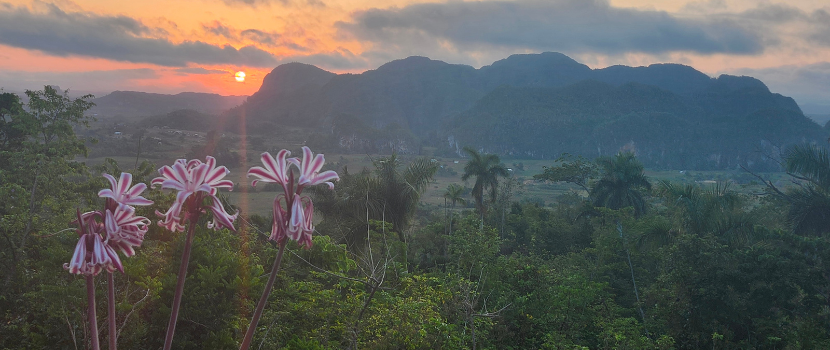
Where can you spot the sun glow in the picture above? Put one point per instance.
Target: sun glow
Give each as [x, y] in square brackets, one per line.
[240, 76]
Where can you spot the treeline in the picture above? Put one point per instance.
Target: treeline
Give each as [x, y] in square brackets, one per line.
[623, 263]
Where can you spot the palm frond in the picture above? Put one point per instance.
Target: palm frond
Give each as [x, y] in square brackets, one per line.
[809, 162]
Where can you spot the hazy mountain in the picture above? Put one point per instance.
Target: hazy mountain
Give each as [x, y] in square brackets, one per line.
[536, 105]
[132, 103]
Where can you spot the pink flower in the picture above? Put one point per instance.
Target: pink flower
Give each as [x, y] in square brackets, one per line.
[221, 218]
[124, 229]
[123, 193]
[276, 169]
[190, 177]
[296, 221]
[91, 255]
[310, 171]
[307, 225]
[278, 233]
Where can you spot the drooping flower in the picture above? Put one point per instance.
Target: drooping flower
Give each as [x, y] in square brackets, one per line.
[307, 225]
[278, 233]
[191, 177]
[91, 255]
[295, 221]
[121, 191]
[221, 218]
[124, 229]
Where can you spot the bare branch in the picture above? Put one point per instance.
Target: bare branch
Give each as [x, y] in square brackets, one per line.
[127, 317]
[768, 184]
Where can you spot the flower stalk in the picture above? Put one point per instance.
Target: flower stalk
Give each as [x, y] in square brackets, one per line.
[295, 220]
[194, 181]
[113, 336]
[121, 230]
[249, 334]
[177, 297]
[93, 320]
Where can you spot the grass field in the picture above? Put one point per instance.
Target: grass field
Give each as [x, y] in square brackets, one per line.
[450, 170]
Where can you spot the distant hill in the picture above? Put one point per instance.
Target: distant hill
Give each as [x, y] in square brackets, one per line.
[537, 106]
[133, 104]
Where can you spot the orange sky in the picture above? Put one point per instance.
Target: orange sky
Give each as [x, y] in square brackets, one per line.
[336, 36]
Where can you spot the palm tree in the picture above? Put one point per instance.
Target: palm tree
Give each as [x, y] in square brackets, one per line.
[399, 191]
[718, 210]
[620, 184]
[810, 200]
[454, 194]
[388, 193]
[486, 168]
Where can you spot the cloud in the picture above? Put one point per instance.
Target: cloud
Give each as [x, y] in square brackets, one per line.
[252, 36]
[341, 59]
[257, 3]
[118, 38]
[198, 70]
[573, 26]
[808, 84]
[97, 80]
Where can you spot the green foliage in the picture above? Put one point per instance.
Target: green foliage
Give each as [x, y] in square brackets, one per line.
[486, 169]
[576, 170]
[810, 199]
[387, 194]
[713, 268]
[620, 184]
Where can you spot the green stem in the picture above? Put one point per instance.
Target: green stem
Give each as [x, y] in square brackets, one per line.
[93, 320]
[177, 297]
[249, 335]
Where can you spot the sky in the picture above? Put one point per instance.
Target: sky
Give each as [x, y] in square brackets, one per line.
[99, 46]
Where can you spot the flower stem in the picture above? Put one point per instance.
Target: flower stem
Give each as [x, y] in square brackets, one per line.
[177, 297]
[249, 335]
[93, 320]
[111, 309]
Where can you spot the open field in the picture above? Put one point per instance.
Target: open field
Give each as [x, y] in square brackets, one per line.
[162, 146]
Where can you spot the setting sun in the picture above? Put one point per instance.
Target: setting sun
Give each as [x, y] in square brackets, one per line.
[240, 76]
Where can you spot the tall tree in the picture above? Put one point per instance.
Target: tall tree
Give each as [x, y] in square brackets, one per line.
[621, 183]
[37, 147]
[576, 170]
[486, 169]
[454, 194]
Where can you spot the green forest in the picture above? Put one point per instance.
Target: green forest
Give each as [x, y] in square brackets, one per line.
[621, 262]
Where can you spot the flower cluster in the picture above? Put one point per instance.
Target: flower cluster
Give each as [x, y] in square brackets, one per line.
[194, 180]
[293, 220]
[117, 223]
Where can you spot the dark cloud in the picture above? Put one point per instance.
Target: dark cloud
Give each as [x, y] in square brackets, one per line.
[259, 37]
[337, 60]
[117, 38]
[558, 25]
[198, 70]
[98, 80]
[821, 28]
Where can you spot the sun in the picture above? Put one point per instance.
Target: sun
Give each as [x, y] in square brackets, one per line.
[240, 76]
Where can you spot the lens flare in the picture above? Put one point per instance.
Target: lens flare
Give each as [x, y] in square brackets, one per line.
[240, 76]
